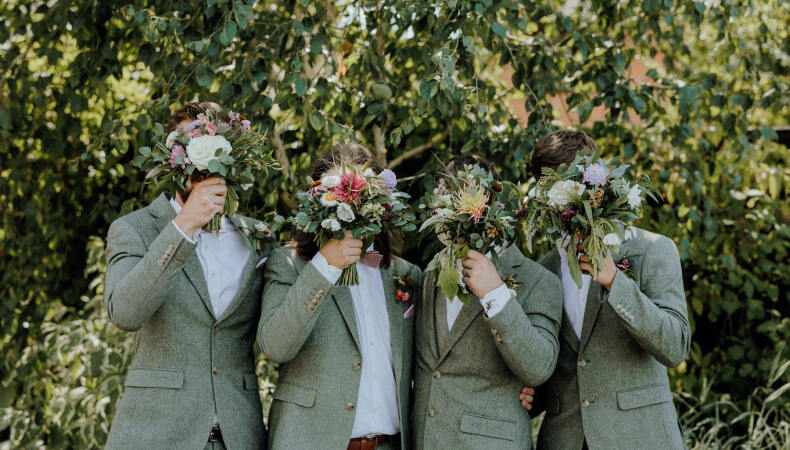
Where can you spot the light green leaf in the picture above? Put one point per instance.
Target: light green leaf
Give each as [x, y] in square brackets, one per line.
[448, 281]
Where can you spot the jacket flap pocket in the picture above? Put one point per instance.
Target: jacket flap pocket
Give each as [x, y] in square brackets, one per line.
[293, 393]
[488, 426]
[155, 378]
[250, 381]
[643, 396]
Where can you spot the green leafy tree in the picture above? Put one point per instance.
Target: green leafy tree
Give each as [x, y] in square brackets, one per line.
[83, 82]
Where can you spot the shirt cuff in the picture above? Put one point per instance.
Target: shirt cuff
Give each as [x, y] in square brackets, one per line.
[495, 300]
[330, 272]
[191, 241]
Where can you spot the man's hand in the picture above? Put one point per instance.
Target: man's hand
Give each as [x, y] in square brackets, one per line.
[480, 275]
[343, 253]
[206, 199]
[527, 396]
[605, 274]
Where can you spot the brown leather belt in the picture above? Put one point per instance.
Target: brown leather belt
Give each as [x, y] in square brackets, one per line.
[368, 443]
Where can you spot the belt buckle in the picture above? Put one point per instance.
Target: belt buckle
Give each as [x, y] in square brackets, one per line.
[371, 437]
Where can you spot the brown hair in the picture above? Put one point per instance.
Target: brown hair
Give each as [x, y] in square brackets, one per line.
[191, 111]
[459, 162]
[353, 154]
[558, 148]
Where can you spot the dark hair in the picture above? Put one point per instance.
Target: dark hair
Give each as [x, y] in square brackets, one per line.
[191, 111]
[558, 148]
[459, 162]
[353, 154]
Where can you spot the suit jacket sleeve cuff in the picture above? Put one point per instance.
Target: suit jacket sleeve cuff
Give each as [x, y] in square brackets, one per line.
[171, 247]
[618, 297]
[189, 239]
[495, 300]
[328, 271]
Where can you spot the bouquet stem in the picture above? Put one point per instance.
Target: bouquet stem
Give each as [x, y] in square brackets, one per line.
[349, 277]
[214, 224]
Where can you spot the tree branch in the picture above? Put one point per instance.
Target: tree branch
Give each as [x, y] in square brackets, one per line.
[420, 148]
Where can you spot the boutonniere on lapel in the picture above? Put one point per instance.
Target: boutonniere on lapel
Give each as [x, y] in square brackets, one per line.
[404, 291]
[626, 266]
[511, 283]
[261, 235]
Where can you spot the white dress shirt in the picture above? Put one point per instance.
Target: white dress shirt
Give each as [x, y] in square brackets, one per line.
[493, 302]
[377, 400]
[223, 257]
[574, 300]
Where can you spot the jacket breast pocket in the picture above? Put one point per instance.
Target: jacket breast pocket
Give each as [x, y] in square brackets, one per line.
[293, 393]
[643, 396]
[155, 378]
[488, 426]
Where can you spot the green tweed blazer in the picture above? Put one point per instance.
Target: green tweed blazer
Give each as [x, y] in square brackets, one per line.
[467, 396]
[308, 326]
[188, 365]
[611, 387]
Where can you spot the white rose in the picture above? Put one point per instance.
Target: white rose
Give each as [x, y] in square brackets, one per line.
[330, 224]
[635, 197]
[202, 149]
[345, 213]
[330, 181]
[611, 240]
[564, 192]
[171, 139]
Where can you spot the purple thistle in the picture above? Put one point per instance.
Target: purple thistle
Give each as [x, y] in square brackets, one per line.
[595, 175]
[389, 178]
[192, 125]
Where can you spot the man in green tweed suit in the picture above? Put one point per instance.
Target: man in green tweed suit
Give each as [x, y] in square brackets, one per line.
[471, 360]
[193, 300]
[610, 389]
[345, 352]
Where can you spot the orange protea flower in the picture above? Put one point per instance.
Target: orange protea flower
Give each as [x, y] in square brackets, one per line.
[315, 183]
[472, 201]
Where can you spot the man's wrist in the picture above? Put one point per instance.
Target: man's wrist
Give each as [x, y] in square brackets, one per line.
[185, 226]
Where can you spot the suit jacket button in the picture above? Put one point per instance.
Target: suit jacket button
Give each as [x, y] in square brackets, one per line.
[356, 366]
[310, 307]
[350, 406]
[431, 413]
[215, 370]
[437, 374]
[213, 330]
[582, 363]
[585, 404]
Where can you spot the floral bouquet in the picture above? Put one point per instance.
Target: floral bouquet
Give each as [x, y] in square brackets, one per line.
[354, 199]
[587, 200]
[467, 210]
[216, 144]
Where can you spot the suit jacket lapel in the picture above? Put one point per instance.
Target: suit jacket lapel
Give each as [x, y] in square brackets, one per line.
[342, 296]
[591, 310]
[163, 213]
[429, 301]
[395, 311]
[552, 262]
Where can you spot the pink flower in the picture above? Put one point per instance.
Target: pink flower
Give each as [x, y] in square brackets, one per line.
[211, 128]
[405, 298]
[625, 264]
[196, 133]
[245, 126]
[178, 150]
[350, 186]
[233, 116]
